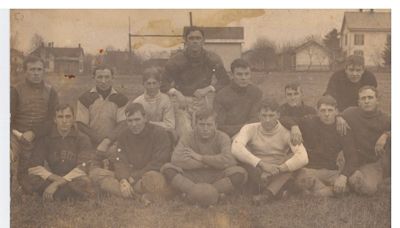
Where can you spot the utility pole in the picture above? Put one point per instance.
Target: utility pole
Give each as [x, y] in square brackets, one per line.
[129, 37]
[190, 18]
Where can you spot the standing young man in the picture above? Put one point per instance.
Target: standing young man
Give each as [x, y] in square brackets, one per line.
[190, 78]
[371, 129]
[344, 84]
[266, 152]
[67, 152]
[236, 104]
[138, 154]
[32, 105]
[204, 156]
[100, 111]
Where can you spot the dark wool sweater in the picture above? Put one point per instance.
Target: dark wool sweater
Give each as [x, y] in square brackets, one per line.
[62, 153]
[236, 106]
[142, 152]
[290, 116]
[367, 128]
[346, 92]
[188, 74]
[323, 144]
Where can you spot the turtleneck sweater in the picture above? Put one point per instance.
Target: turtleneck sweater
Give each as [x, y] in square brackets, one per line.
[158, 109]
[254, 144]
[367, 127]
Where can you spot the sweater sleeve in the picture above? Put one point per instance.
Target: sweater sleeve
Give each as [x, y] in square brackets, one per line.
[220, 74]
[36, 164]
[168, 116]
[239, 144]
[121, 164]
[180, 159]
[332, 87]
[225, 158]
[171, 70]
[299, 158]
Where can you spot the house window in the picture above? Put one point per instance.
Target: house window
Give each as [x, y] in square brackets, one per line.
[359, 39]
[358, 52]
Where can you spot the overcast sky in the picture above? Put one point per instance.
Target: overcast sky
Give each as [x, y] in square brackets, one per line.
[99, 29]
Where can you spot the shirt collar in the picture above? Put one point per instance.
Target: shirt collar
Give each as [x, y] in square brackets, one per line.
[55, 134]
[94, 90]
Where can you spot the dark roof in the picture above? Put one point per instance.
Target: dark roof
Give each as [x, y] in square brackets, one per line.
[235, 33]
[60, 51]
[307, 44]
[374, 21]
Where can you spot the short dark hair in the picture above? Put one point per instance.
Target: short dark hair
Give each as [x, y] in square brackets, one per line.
[151, 72]
[269, 104]
[102, 67]
[188, 30]
[373, 88]
[132, 108]
[239, 63]
[354, 60]
[292, 85]
[327, 100]
[204, 114]
[63, 106]
[32, 59]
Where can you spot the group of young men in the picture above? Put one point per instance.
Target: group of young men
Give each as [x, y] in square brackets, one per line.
[199, 131]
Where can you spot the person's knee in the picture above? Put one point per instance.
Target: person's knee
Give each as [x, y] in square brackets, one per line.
[237, 175]
[305, 180]
[31, 183]
[82, 185]
[169, 171]
[97, 174]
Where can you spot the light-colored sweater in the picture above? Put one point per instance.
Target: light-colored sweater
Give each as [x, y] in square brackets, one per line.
[254, 143]
[158, 109]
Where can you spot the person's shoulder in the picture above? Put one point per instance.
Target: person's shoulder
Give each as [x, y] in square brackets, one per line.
[338, 75]
[139, 99]
[119, 99]
[88, 98]
[309, 109]
[177, 59]
[284, 107]
[350, 111]
[251, 126]
[223, 91]
[82, 136]
[164, 98]
[222, 135]
[255, 90]
[369, 76]
[213, 57]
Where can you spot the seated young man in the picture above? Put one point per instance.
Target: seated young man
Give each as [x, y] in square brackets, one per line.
[204, 156]
[67, 153]
[322, 176]
[236, 104]
[158, 107]
[266, 152]
[294, 110]
[138, 154]
[344, 84]
[371, 130]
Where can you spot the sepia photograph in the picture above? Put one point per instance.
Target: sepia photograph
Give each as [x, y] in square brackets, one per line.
[200, 118]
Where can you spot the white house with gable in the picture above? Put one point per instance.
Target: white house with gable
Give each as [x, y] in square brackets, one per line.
[365, 33]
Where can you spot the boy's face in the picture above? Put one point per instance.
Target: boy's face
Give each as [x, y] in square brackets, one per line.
[64, 120]
[367, 100]
[152, 86]
[104, 79]
[327, 114]
[35, 72]
[354, 72]
[206, 128]
[241, 76]
[294, 97]
[136, 122]
[194, 41]
[269, 119]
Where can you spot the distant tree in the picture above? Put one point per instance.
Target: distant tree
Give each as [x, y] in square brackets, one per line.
[387, 52]
[36, 41]
[264, 52]
[332, 43]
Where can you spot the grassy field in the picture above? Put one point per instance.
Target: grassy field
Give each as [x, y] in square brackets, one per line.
[234, 211]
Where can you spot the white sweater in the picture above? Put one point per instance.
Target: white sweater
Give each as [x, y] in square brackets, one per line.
[253, 144]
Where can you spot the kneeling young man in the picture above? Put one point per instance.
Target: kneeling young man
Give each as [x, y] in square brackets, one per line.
[322, 176]
[204, 156]
[138, 154]
[371, 129]
[265, 149]
[67, 152]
